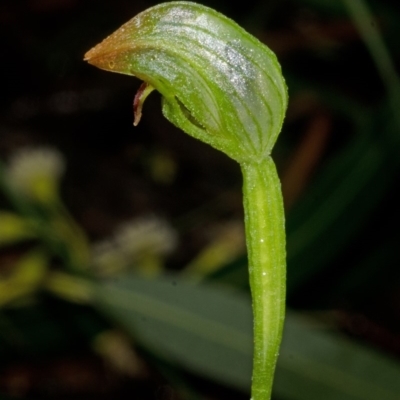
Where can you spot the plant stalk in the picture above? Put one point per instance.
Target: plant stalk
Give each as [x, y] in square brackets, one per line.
[265, 236]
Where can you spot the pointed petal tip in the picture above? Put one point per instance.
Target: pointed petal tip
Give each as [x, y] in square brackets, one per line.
[98, 57]
[89, 55]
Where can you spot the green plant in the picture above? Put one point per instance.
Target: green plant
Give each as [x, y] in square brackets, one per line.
[222, 86]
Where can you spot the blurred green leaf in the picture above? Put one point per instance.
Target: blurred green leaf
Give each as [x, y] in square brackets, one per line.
[14, 229]
[26, 277]
[315, 364]
[363, 20]
[207, 329]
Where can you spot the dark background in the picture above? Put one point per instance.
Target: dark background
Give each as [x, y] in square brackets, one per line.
[337, 157]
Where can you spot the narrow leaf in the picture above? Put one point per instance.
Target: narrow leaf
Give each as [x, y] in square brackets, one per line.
[208, 330]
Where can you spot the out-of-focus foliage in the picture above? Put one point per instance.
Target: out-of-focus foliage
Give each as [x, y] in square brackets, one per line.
[208, 330]
[338, 159]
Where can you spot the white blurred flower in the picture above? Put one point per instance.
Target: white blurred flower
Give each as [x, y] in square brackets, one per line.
[146, 235]
[36, 172]
[142, 243]
[107, 258]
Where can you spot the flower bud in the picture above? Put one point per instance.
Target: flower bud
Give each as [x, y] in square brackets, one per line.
[218, 83]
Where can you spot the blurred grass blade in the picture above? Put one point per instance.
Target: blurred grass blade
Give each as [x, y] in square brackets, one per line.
[26, 277]
[363, 19]
[14, 229]
[207, 329]
[343, 194]
[315, 365]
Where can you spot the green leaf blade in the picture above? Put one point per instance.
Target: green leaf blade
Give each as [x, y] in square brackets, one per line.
[208, 329]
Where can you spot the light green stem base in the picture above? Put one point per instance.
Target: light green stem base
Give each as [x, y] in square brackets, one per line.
[265, 235]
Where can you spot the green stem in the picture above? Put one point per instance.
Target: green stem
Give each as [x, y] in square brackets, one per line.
[265, 234]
